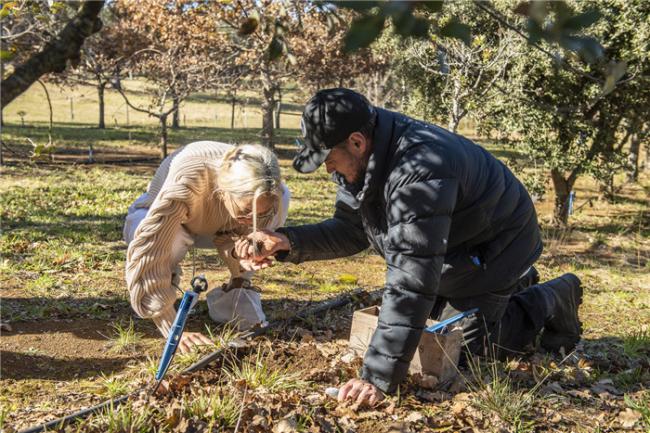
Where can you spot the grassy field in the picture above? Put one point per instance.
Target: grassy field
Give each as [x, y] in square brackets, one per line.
[73, 340]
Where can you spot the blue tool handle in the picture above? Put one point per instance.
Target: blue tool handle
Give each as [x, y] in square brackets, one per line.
[175, 333]
[453, 319]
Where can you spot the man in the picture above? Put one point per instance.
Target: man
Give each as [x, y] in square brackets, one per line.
[456, 228]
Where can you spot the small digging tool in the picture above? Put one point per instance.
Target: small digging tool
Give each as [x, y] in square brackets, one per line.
[199, 284]
[440, 327]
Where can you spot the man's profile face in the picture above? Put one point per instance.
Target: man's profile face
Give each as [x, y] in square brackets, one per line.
[349, 160]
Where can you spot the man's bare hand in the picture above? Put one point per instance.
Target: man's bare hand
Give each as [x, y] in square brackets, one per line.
[365, 393]
[260, 246]
[190, 340]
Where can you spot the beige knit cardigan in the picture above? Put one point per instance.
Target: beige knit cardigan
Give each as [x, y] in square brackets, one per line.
[181, 194]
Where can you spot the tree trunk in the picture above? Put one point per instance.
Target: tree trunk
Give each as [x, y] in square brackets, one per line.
[163, 136]
[267, 117]
[647, 156]
[454, 112]
[268, 103]
[562, 188]
[101, 87]
[56, 53]
[278, 109]
[233, 102]
[176, 113]
[633, 158]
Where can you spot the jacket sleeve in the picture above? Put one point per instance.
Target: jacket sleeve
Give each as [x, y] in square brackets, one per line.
[339, 236]
[419, 218]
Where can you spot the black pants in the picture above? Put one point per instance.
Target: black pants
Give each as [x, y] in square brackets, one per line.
[508, 320]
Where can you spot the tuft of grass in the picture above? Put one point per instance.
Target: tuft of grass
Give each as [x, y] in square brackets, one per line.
[226, 335]
[4, 413]
[184, 360]
[114, 386]
[258, 373]
[631, 378]
[125, 339]
[641, 405]
[495, 393]
[150, 366]
[124, 419]
[216, 409]
[637, 342]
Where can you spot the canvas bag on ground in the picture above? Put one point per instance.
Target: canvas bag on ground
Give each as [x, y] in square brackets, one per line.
[242, 307]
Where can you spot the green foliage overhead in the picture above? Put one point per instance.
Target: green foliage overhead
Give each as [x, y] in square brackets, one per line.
[554, 22]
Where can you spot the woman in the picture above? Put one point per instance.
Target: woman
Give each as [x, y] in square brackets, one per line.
[206, 194]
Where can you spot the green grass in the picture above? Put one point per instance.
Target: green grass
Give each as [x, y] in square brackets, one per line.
[215, 407]
[146, 369]
[198, 110]
[637, 342]
[641, 404]
[4, 412]
[257, 372]
[124, 419]
[114, 386]
[495, 393]
[125, 338]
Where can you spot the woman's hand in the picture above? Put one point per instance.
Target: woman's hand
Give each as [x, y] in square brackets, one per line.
[267, 242]
[189, 341]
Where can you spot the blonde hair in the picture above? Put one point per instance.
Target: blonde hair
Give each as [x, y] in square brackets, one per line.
[249, 170]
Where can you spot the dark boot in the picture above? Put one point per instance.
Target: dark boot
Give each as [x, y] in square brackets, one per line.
[562, 328]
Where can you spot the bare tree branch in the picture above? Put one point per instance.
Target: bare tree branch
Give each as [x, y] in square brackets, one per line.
[55, 55]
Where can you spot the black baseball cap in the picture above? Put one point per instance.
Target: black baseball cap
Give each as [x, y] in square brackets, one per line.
[330, 116]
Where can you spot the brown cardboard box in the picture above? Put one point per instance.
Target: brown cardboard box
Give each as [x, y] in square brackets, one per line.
[437, 355]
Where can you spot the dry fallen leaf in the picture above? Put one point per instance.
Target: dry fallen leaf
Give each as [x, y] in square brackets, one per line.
[173, 414]
[286, 425]
[555, 418]
[260, 421]
[579, 393]
[414, 417]
[163, 388]
[398, 427]
[460, 404]
[390, 409]
[628, 417]
[179, 382]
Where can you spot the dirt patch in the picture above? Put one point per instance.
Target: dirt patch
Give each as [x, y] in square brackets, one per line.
[63, 350]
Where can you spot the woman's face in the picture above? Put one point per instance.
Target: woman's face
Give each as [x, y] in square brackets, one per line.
[242, 209]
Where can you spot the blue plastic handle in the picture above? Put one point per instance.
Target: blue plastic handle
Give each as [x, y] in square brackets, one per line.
[175, 333]
[453, 319]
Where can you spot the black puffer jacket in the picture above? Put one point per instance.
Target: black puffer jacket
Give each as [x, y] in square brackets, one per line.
[433, 204]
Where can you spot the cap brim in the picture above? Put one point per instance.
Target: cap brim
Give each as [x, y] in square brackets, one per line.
[308, 160]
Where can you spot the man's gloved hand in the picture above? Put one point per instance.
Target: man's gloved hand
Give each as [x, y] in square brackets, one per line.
[256, 250]
[365, 393]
